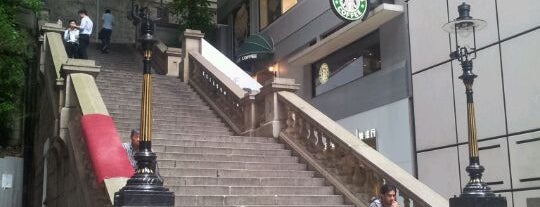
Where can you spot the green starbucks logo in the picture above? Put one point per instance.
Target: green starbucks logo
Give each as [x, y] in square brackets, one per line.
[350, 9]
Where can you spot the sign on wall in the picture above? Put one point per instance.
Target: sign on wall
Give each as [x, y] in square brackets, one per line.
[350, 10]
[370, 133]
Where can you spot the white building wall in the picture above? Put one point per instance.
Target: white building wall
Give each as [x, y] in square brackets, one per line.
[506, 95]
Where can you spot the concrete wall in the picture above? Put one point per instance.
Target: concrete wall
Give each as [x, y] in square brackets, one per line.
[392, 124]
[506, 97]
[11, 167]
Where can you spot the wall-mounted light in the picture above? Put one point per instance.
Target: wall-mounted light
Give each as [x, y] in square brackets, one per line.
[274, 69]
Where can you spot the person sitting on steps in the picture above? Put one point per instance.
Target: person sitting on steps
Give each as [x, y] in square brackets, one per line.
[387, 197]
[132, 147]
[71, 37]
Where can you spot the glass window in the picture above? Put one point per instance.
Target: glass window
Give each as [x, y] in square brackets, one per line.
[241, 25]
[354, 61]
[270, 10]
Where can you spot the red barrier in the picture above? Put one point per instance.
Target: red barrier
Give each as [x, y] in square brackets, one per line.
[108, 157]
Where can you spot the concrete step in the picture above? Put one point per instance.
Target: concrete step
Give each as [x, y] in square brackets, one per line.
[162, 123]
[224, 145]
[158, 112]
[179, 116]
[221, 181]
[161, 105]
[136, 93]
[188, 120]
[195, 137]
[195, 131]
[235, 200]
[218, 157]
[251, 190]
[136, 81]
[180, 127]
[159, 147]
[233, 173]
[231, 165]
[282, 206]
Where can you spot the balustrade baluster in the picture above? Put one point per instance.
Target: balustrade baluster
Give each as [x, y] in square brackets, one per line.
[290, 122]
[406, 199]
[321, 146]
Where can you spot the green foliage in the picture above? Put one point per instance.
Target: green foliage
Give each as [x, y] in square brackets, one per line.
[15, 53]
[193, 14]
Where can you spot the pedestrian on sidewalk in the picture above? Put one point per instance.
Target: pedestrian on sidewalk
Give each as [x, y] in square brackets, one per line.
[84, 33]
[71, 37]
[106, 31]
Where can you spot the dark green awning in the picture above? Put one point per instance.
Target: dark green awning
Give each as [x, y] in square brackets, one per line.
[255, 47]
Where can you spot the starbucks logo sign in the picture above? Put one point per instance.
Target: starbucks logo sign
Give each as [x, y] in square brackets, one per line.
[350, 9]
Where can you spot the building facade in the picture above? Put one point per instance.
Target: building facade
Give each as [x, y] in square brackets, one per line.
[355, 72]
[390, 76]
[506, 95]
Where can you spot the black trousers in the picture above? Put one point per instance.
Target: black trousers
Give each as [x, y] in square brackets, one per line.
[84, 41]
[72, 49]
[105, 39]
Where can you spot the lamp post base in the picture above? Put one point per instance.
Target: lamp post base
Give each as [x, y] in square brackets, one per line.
[143, 198]
[490, 201]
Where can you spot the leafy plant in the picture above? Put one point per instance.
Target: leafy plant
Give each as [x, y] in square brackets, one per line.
[15, 52]
[193, 14]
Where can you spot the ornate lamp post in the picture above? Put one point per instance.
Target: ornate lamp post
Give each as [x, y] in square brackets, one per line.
[145, 188]
[476, 193]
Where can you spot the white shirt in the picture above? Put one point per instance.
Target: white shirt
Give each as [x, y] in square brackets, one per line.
[86, 25]
[130, 153]
[376, 203]
[71, 35]
[107, 20]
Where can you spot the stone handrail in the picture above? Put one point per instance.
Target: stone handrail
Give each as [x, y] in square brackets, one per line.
[222, 94]
[356, 169]
[80, 175]
[166, 60]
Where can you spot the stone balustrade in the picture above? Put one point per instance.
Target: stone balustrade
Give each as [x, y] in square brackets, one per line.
[355, 169]
[220, 92]
[68, 163]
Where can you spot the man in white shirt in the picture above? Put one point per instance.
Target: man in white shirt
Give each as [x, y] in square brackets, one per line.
[84, 33]
[106, 31]
[71, 37]
[132, 147]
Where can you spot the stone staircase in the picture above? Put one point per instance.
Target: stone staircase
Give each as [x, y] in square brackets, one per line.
[198, 155]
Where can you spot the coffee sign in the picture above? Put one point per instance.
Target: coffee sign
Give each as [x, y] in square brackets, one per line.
[349, 9]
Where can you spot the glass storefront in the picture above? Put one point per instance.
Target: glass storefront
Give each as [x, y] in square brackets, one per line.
[352, 62]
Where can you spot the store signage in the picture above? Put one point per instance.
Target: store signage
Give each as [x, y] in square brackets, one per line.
[351, 10]
[247, 57]
[367, 134]
[324, 73]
